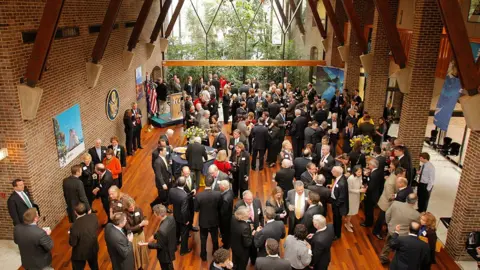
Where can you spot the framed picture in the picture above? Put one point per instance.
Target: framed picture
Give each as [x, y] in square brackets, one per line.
[139, 82]
[474, 11]
[67, 127]
[112, 104]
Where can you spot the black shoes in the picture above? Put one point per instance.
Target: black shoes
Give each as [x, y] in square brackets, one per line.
[365, 225]
[194, 229]
[185, 253]
[378, 236]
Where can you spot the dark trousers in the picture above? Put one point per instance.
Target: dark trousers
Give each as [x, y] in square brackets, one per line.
[129, 142]
[369, 207]
[297, 145]
[182, 234]
[166, 266]
[89, 194]
[106, 207]
[225, 231]
[292, 222]
[239, 263]
[197, 175]
[80, 264]
[235, 185]
[204, 236]
[120, 180]
[423, 197]
[257, 152]
[377, 229]
[162, 197]
[137, 140]
[253, 254]
[226, 114]
[337, 220]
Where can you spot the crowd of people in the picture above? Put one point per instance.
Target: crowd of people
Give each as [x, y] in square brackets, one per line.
[313, 174]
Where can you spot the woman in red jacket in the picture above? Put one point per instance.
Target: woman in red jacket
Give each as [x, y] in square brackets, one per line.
[222, 162]
[113, 165]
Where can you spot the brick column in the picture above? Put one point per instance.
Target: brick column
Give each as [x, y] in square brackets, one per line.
[427, 28]
[377, 80]
[466, 210]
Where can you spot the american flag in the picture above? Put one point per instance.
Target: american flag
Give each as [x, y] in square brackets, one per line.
[152, 96]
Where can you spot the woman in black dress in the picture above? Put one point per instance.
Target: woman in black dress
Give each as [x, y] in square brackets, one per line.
[276, 201]
[275, 144]
[380, 131]
[128, 122]
[240, 169]
[226, 104]
[88, 170]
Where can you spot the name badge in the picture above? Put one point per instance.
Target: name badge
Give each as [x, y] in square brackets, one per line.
[243, 158]
[336, 185]
[259, 211]
[119, 204]
[104, 151]
[137, 214]
[101, 185]
[94, 176]
[84, 168]
[218, 143]
[286, 156]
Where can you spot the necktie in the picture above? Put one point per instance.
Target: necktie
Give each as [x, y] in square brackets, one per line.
[189, 183]
[420, 176]
[252, 214]
[236, 141]
[298, 210]
[27, 201]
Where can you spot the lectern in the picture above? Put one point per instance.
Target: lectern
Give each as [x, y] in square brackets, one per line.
[176, 106]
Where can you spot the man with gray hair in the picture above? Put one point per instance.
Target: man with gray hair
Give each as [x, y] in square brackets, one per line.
[195, 155]
[284, 177]
[318, 186]
[339, 199]
[181, 212]
[167, 136]
[297, 132]
[297, 205]
[327, 161]
[374, 191]
[398, 217]
[321, 242]
[226, 211]
[217, 176]
[98, 152]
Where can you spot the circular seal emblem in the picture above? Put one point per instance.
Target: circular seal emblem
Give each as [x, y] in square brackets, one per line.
[112, 104]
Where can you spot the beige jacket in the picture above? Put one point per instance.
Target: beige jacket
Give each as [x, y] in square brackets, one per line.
[389, 189]
[400, 213]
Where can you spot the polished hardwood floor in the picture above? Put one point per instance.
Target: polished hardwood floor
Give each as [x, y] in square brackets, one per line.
[357, 250]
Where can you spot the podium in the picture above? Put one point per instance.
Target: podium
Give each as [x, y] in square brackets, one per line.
[176, 106]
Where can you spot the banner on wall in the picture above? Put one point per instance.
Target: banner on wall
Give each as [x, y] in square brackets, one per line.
[328, 80]
[450, 92]
[67, 127]
[474, 11]
[139, 82]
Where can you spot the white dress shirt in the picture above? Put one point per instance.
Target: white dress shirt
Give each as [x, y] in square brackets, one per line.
[334, 186]
[427, 175]
[302, 202]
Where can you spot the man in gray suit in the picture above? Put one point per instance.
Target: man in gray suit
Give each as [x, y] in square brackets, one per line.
[297, 205]
[273, 260]
[401, 214]
[74, 192]
[217, 176]
[119, 246]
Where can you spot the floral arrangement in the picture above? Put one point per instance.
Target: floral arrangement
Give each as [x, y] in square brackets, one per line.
[193, 132]
[367, 143]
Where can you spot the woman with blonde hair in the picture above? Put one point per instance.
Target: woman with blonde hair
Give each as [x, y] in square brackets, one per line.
[241, 233]
[287, 150]
[87, 177]
[276, 201]
[135, 223]
[117, 200]
[221, 161]
[428, 233]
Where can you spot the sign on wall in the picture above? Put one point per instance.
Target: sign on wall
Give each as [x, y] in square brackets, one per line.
[68, 135]
[112, 104]
[328, 80]
[474, 11]
[139, 82]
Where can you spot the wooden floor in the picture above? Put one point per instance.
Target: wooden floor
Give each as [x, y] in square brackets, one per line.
[357, 250]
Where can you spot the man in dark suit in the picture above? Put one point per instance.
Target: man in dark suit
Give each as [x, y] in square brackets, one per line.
[35, 244]
[375, 188]
[74, 192]
[119, 246]
[180, 201]
[254, 207]
[321, 114]
[310, 131]
[411, 252]
[121, 154]
[319, 187]
[156, 152]
[83, 239]
[334, 127]
[282, 122]
[321, 243]
[274, 108]
[260, 138]
[307, 176]
[220, 141]
[236, 139]
[382, 160]
[195, 155]
[300, 164]
[336, 101]
[216, 175]
[339, 199]
[327, 162]
[98, 152]
[221, 260]
[104, 180]
[273, 229]
[190, 187]
[226, 211]
[163, 177]
[405, 163]
[272, 260]
[19, 201]
[216, 84]
[166, 240]
[189, 86]
[285, 176]
[314, 208]
[348, 134]
[208, 203]
[297, 132]
[297, 204]
[403, 189]
[166, 137]
[137, 130]
[241, 237]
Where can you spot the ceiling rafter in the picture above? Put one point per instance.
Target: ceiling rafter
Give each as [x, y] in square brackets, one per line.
[106, 30]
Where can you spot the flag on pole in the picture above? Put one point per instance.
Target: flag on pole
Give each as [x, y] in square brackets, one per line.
[152, 94]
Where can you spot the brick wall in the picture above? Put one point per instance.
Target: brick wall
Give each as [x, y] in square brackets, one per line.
[377, 80]
[466, 210]
[333, 56]
[427, 28]
[31, 144]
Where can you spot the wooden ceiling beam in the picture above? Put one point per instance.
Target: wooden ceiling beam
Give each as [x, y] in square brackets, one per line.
[173, 20]
[453, 21]
[355, 24]
[160, 21]
[316, 17]
[139, 24]
[298, 16]
[391, 31]
[334, 21]
[282, 14]
[105, 31]
[43, 40]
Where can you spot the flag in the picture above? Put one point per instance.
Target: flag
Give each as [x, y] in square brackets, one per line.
[152, 94]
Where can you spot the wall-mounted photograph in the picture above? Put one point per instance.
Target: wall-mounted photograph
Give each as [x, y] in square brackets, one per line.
[68, 135]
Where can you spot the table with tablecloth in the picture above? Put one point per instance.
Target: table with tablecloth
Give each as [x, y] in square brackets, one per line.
[178, 163]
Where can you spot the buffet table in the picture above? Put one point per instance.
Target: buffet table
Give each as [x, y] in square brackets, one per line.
[178, 161]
